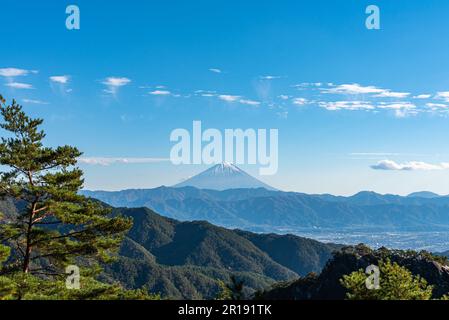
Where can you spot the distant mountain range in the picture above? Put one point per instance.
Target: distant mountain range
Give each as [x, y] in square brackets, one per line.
[222, 177]
[276, 211]
[424, 194]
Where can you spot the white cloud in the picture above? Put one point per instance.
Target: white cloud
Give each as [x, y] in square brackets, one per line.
[422, 96]
[356, 89]
[270, 77]
[397, 105]
[19, 85]
[205, 93]
[215, 70]
[105, 161]
[401, 109]
[113, 83]
[14, 72]
[436, 105]
[32, 101]
[160, 93]
[408, 166]
[444, 95]
[60, 79]
[310, 84]
[228, 98]
[299, 101]
[232, 98]
[116, 82]
[249, 102]
[284, 97]
[346, 105]
[392, 94]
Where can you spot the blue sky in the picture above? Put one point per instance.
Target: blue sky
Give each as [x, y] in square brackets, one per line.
[356, 109]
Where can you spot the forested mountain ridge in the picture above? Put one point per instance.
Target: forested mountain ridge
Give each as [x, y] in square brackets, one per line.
[197, 254]
[328, 284]
[185, 260]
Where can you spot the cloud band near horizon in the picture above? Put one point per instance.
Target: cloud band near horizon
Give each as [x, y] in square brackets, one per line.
[390, 165]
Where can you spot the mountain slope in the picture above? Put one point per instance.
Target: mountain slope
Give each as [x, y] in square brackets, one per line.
[136, 267]
[327, 286]
[185, 259]
[222, 177]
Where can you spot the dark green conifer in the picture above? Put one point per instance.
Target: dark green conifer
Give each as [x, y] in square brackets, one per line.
[56, 226]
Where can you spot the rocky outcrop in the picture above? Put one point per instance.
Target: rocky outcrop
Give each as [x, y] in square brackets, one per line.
[326, 286]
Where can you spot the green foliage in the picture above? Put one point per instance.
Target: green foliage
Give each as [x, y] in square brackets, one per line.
[185, 260]
[396, 283]
[23, 286]
[57, 225]
[443, 260]
[52, 226]
[232, 291]
[224, 292]
[4, 253]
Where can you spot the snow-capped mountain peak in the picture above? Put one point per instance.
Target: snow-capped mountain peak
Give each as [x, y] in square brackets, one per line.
[224, 176]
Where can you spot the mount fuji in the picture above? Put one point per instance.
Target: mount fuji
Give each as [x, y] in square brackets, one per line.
[224, 176]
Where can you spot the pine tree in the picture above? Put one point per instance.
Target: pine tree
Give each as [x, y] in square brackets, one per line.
[56, 226]
[396, 283]
[232, 291]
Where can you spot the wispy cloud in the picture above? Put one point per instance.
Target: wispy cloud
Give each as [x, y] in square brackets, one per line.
[269, 77]
[392, 94]
[357, 89]
[436, 105]
[60, 79]
[249, 102]
[33, 101]
[353, 89]
[114, 83]
[228, 98]
[444, 95]
[346, 105]
[408, 166]
[401, 109]
[310, 84]
[422, 96]
[15, 72]
[19, 85]
[106, 161]
[160, 93]
[215, 70]
[300, 101]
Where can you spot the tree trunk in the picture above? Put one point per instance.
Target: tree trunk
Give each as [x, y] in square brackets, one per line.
[26, 261]
[27, 257]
